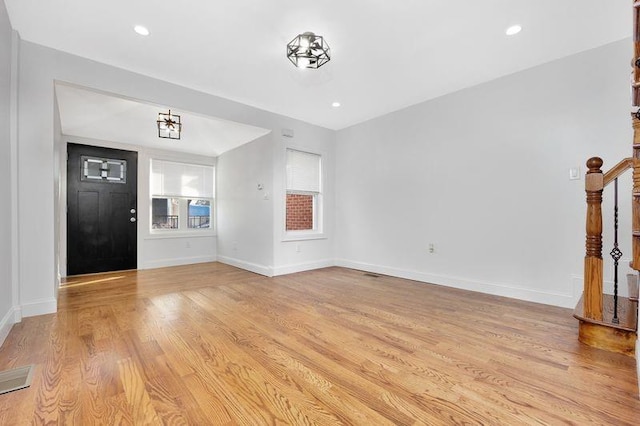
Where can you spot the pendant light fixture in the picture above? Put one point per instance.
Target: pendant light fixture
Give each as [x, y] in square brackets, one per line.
[308, 50]
[169, 126]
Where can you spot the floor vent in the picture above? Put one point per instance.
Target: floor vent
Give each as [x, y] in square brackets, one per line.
[369, 274]
[12, 380]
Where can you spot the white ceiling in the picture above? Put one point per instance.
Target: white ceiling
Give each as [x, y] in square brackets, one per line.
[387, 54]
[101, 116]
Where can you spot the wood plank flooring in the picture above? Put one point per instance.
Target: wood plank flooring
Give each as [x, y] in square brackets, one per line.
[212, 344]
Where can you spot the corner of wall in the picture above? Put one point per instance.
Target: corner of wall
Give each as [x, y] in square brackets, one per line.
[39, 307]
[267, 271]
[12, 317]
[301, 267]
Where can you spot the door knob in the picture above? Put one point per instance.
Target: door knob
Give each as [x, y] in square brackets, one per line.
[133, 219]
[133, 211]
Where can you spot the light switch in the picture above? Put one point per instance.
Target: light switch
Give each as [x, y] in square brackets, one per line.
[574, 173]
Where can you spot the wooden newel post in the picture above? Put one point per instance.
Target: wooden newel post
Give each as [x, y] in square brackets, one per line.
[594, 184]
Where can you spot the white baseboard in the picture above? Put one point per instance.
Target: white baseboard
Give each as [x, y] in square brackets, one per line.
[252, 267]
[548, 298]
[301, 267]
[163, 263]
[12, 317]
[39, 307]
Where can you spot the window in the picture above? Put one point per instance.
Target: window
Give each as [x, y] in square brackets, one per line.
[181, 196]
[199, 213]
[165, 213]
[304, 194]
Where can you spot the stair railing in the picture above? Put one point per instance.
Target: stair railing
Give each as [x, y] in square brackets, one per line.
[595, 182]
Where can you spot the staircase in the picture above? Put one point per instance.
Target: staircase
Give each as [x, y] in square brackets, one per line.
[605, 333]
[608, 321]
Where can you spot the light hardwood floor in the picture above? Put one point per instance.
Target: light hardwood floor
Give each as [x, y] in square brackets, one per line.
[212, 344]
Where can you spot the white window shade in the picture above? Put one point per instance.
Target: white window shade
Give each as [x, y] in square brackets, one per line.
[303, 171]
[171, 179]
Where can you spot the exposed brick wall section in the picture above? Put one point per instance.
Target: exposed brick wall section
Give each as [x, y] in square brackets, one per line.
[299, 212]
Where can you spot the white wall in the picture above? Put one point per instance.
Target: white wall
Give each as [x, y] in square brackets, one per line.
[59, 193]
[40, 67]
[6, 288]
[295, 254]
[245, 213]
[159, 249]
[483, 175]
[251, 221]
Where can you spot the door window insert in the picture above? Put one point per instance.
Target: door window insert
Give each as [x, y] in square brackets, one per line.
[103, 169]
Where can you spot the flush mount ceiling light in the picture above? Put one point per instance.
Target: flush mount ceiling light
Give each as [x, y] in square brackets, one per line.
[513, 30]
[142, 30]
[308, 50]
[169, 126]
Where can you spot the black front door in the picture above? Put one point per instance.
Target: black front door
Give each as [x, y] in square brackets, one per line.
[101, 209]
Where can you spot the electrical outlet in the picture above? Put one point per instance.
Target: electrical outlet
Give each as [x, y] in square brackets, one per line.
[432, 248]
[297, 248]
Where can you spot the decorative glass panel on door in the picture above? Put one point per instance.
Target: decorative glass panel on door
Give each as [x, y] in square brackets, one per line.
[103, 170]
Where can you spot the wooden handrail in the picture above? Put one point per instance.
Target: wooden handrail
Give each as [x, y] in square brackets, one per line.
[617, 170]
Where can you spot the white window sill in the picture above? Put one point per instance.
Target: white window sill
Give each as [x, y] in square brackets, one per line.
[303, 237]
[179, 234]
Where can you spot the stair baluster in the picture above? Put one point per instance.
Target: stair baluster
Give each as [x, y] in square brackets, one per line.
[616, 254]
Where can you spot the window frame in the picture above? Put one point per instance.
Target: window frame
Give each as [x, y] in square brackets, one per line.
[183, 202]
[318, 200]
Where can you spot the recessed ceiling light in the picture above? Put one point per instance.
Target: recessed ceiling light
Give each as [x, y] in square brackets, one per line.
[141, 30]
[513, 30]
[335, 104]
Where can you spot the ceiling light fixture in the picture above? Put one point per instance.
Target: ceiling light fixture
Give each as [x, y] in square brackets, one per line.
[308, 50]
[142, 30]
[169, 126]
[513, 30]
[335, 104]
